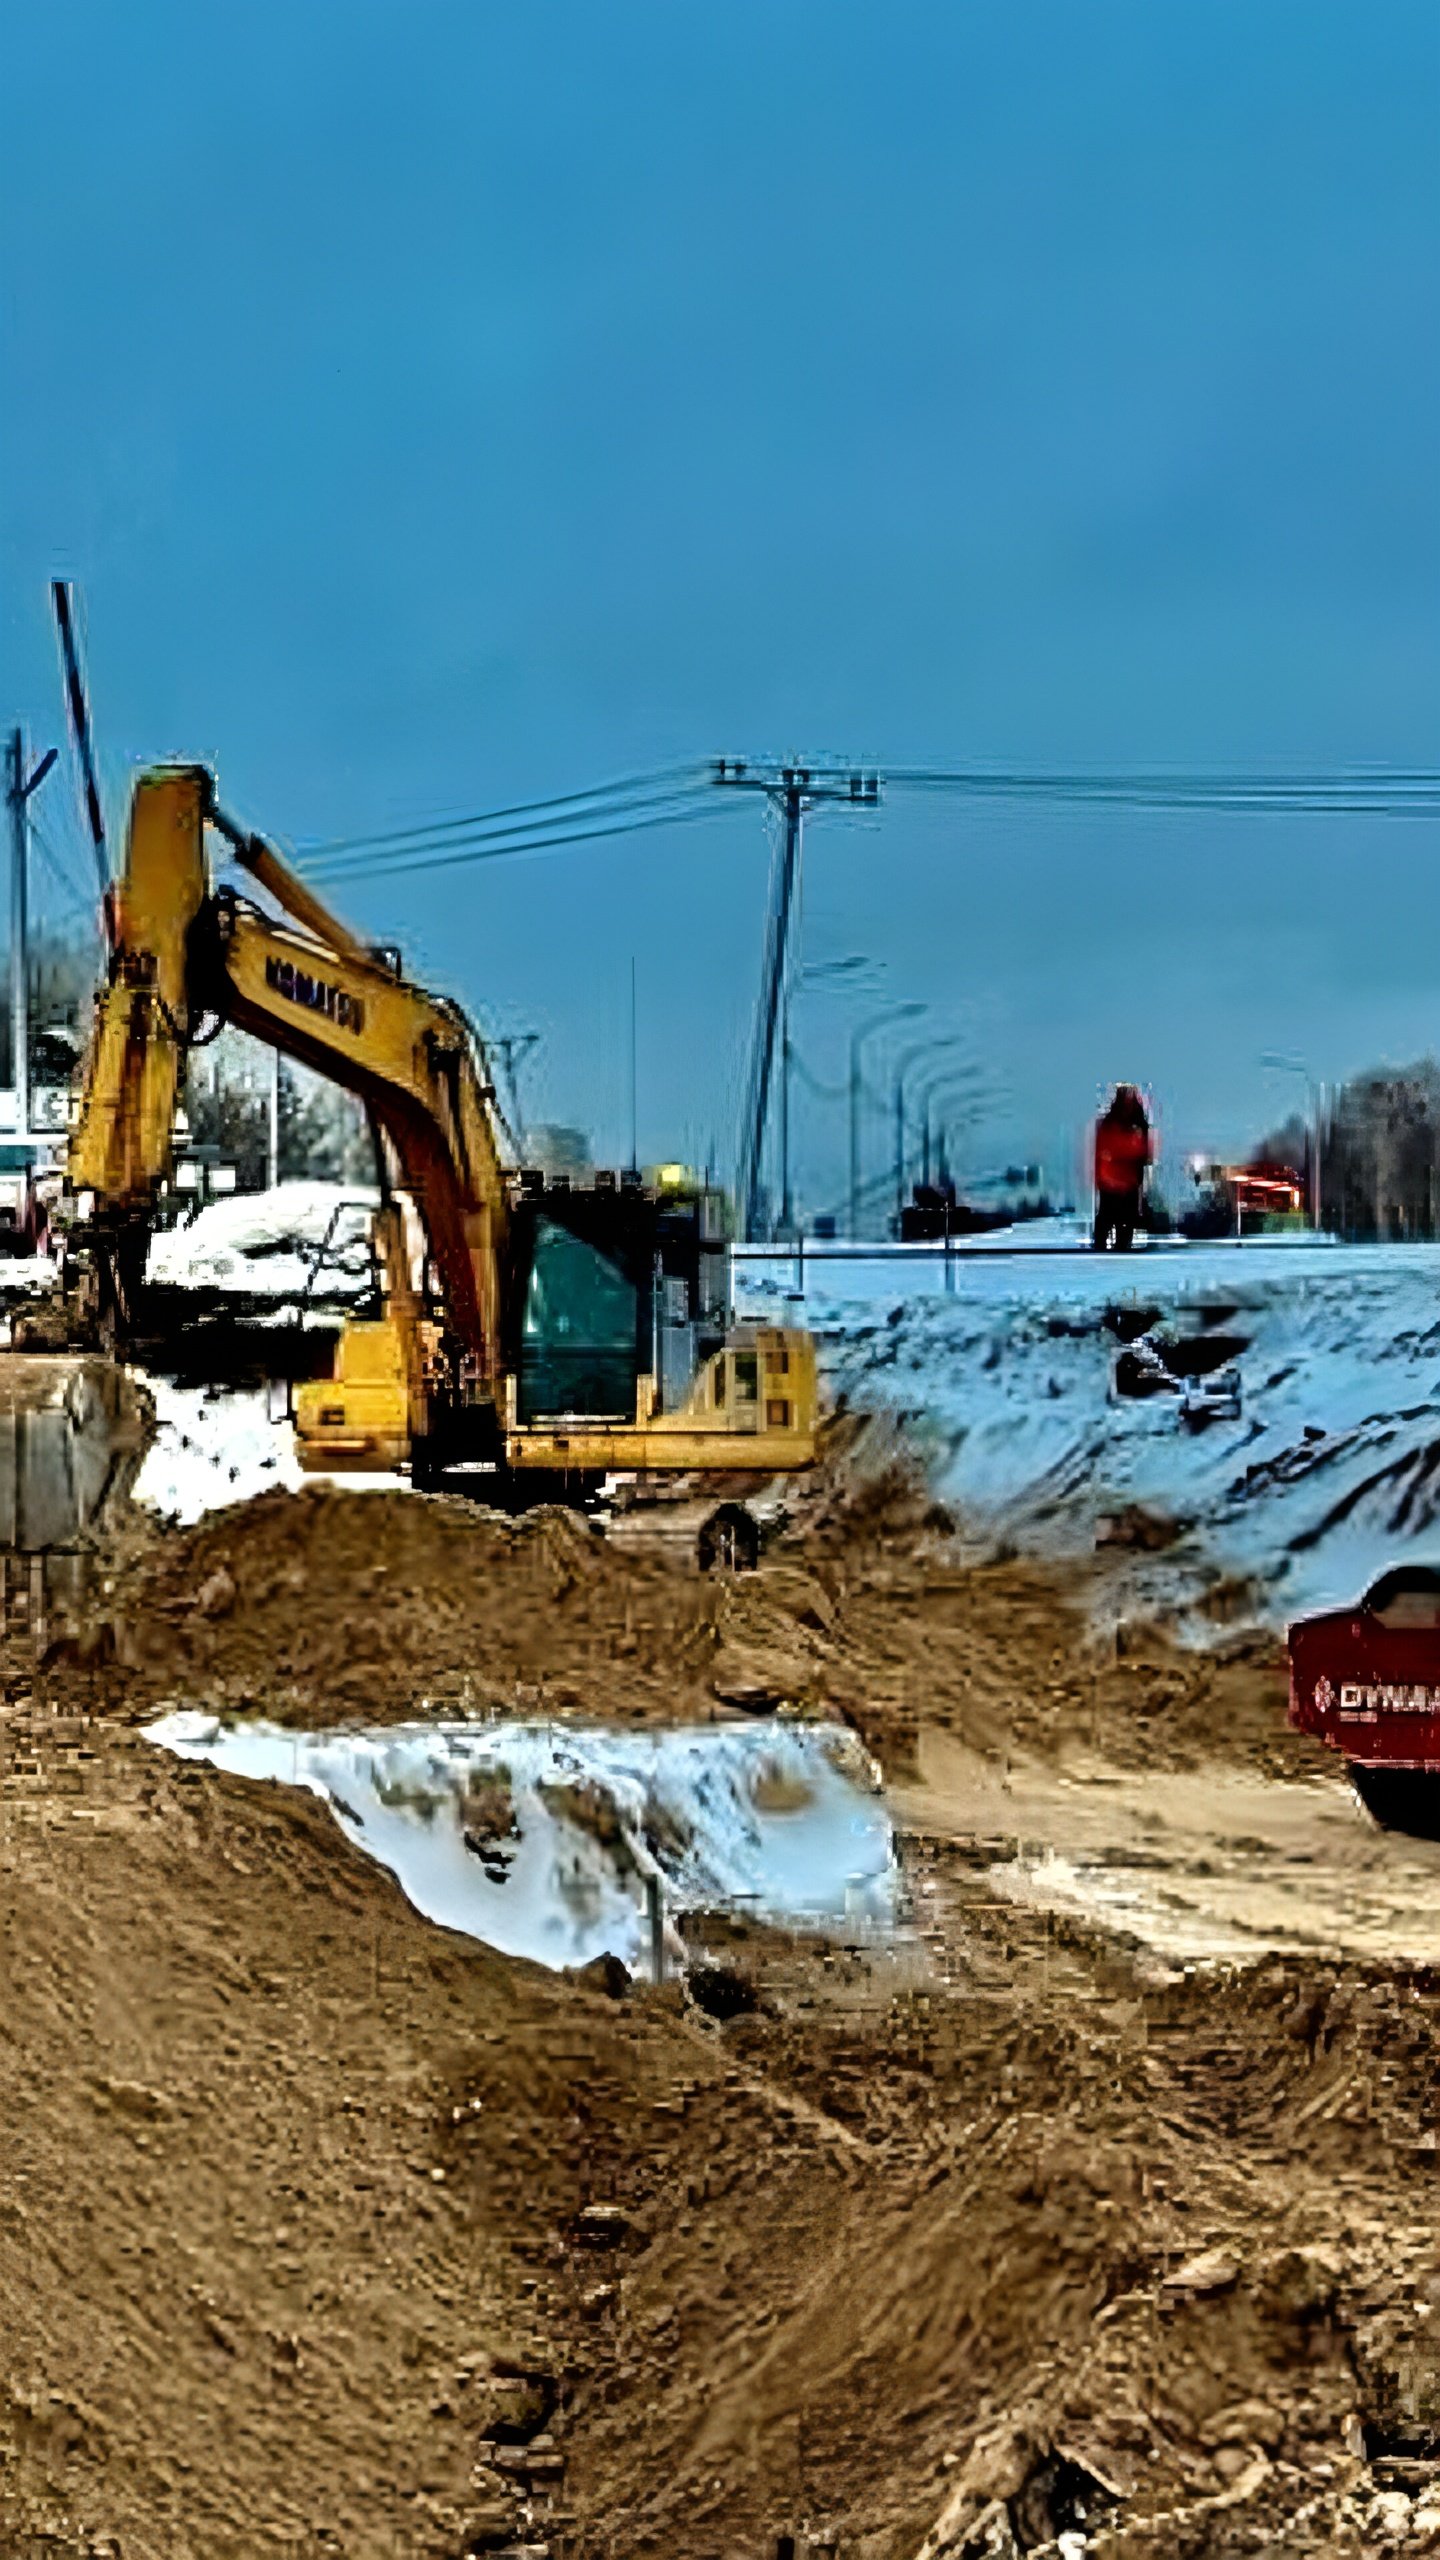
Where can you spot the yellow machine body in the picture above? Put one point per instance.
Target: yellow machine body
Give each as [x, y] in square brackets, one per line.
[752, 1405]
[122, 1144]
[182, 953]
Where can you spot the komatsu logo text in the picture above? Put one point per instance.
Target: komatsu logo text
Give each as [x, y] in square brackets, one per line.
[316, 995]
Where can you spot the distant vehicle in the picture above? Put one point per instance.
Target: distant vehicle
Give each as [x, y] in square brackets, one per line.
[24, 1220]
[1249, 1199]
[1366, 1682]
[934, 1210]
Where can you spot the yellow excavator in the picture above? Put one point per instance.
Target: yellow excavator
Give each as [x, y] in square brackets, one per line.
[531, 1334]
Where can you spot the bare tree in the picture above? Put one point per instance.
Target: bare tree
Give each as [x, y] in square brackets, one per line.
[1379, 1153]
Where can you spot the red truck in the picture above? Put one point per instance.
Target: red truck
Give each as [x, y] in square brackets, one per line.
[1366, 1682]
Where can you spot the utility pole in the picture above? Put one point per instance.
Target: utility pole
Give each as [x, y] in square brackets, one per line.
[634, 1085]
[786, 1210]
[791, 789]
[80, 724]
[17, 794]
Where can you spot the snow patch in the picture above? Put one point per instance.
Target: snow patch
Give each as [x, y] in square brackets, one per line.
[217, 1445]
[540, 1841]
[213, 1446]
[301, 1238]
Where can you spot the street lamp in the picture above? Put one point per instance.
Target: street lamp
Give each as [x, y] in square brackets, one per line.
[878, 1022]
[817, 974]
[911, 1058]
[953, 1081]
[1315, 1095]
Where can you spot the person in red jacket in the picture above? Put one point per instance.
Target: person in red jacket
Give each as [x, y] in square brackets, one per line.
[1124, 1151]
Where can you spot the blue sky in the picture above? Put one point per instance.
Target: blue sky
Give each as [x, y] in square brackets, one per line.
[449, 405]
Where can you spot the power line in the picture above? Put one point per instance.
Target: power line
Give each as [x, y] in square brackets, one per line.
[1373, 792]
[633, 790]
[61, 868]
[674, 813]
[668, 794]
[642, 801]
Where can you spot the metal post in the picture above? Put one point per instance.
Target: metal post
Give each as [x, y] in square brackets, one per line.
[19, 932]
[1314, 1095]
[853, 1220]
[634, 1087]
[274, 1147]
[80, 722]
[792, 789]
[911, 1058]
[893, 1013]
[17, 791]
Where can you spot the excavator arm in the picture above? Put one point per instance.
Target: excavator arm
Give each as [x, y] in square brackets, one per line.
[185, 951]
[122, 1144]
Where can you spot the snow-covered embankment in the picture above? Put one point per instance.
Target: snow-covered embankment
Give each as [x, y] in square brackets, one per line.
[1331, 1470]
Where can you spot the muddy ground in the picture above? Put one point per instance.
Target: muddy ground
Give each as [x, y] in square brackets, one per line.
[1097, 2215]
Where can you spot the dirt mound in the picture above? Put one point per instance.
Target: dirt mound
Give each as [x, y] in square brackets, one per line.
[329, 1607]
[869, 1487]
[232, 2289]
[325, 2230]
[947, 2262]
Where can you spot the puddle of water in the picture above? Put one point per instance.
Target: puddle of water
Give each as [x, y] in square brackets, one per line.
[547, 1842]
[1130, 1901]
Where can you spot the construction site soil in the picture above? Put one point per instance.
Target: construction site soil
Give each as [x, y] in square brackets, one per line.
[1095, 2214]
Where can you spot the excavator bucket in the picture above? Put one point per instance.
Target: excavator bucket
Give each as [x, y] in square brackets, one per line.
[73, 1430]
